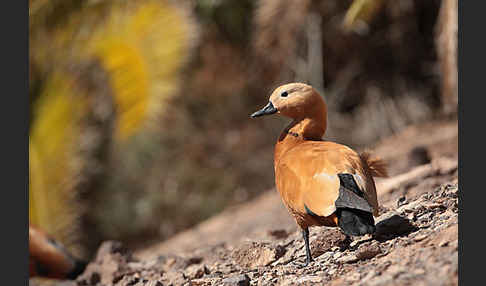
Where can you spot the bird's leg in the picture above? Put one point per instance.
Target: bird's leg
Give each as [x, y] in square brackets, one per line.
[305, 234]
[345, 243]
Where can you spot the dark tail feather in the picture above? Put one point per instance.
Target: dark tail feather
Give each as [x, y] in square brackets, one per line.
[355, 222]
[377, 167]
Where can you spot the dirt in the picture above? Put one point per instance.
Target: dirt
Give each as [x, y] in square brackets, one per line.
[257, 243]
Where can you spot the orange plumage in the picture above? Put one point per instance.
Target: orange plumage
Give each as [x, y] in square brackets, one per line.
[321, 183]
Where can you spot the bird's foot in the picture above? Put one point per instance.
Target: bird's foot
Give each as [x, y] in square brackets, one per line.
[302, 264]
[345, 244]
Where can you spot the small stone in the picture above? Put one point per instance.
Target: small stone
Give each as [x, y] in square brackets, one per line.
[444, 216]
[95, 278]
[394, 224]
[419, 271]
[406, 208]
[196, 271]
[337, 255]
[426, 216]
[368, 252]
[401, 201]
[239, 280]
[256, 254]
[279, 233]
[435, 206]
[194, 260]
[309, 279]
[360, 239]
[325, 257]
[411, 217]
[170, 261]
[350, 258]
[443, 243]
[420, 237]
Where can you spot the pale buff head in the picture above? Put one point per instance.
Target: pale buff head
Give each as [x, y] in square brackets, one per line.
[298, 101]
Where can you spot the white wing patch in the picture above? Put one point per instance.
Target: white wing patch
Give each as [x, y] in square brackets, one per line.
[325, 176]
[333, 177]
[359, 181]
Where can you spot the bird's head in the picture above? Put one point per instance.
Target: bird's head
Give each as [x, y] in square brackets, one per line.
[294, 100]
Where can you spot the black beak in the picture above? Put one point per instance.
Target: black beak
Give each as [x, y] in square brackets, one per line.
[267, 110]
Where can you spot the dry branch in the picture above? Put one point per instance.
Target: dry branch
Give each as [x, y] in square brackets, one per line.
[441, 165]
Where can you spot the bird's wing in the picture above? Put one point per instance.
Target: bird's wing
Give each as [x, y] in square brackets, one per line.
[317, 178]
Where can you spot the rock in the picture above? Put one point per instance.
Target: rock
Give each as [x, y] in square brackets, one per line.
[368, 252]
[109, 265]
[420, 237]
[426, 217]
[279, 233]
[394, 224]
[309, 279]
[364, 252]
[443, 243]
[409, 207]
[257, 254]
[360, 240]
[112, 247]
[203, 282]
[350, 258]
[239, 280]
[435, 206]
[419, 271]
[196, 271]
[419, 156]
[389, 257]
[61, 283]
[95, 278]
[193, 260]
[325, 257]
[335, 248]
[325, 241]
[337, 255]
[401, 201]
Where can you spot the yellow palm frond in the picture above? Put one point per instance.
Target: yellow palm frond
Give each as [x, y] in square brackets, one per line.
[143, 51]
[361, 11]
[53, 138]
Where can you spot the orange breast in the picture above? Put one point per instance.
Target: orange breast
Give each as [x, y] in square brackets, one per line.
[306, 177]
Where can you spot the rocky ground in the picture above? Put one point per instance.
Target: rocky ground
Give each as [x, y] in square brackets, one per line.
[257, 243]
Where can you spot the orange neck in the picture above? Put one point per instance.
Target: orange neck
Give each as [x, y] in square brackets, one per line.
[284, 143]
[310, 128]
[298, 131]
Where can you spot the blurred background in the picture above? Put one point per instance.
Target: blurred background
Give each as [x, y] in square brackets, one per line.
[139, 110]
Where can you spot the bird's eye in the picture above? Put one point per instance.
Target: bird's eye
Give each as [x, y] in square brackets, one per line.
[284, 94]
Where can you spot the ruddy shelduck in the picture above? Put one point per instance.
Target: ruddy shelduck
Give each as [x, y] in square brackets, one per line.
[321, 183]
